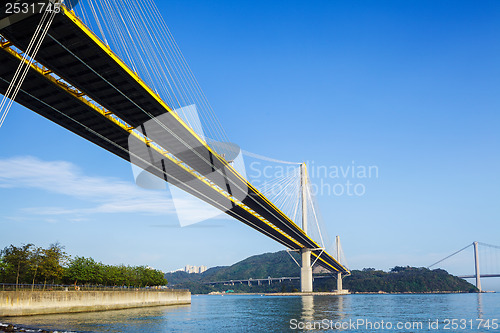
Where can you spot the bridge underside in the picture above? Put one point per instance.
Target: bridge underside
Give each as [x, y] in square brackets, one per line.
[71, 52]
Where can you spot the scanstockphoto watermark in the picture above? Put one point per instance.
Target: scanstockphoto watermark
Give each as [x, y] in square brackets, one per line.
[447, 325]
[354, 325]
[332, 180]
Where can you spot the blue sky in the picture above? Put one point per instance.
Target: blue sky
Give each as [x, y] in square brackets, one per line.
[410, 87]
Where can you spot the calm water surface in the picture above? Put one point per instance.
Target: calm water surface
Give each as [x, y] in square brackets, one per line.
[425, 313]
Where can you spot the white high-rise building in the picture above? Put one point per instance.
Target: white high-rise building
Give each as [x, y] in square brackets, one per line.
[195, 269]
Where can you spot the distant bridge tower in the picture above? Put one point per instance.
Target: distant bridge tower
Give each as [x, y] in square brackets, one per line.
[476, 261]
[306, 279]
[339, 274]
[477, 274]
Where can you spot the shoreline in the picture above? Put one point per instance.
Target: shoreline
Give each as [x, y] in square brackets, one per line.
[26, 303]
[13, 328]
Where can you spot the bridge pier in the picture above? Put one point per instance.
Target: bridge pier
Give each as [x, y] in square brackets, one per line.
[306, 279]
[339, 282]
[340, 289]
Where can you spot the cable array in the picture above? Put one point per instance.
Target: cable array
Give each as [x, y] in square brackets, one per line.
[138, 34]
[284, 192]
[281, 182]
[489, 258]
[340, 256]
[316, 223]
[28, 58]
[451, 255]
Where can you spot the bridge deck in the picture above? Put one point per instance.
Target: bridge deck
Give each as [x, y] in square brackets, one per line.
[73, 53]
[481, 276]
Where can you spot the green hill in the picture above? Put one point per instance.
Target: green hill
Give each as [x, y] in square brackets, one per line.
[279, 264]
[257, 267]
[401, 279]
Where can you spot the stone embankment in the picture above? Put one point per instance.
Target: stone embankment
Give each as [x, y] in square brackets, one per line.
[22, 303]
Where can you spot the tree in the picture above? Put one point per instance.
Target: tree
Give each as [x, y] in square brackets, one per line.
[35, 259]
[3, 269]
[52, 262]
[398, 269]
[17, 263]
[84, 270]
[29, 264]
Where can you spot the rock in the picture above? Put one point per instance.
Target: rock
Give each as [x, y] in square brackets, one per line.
[9, 328]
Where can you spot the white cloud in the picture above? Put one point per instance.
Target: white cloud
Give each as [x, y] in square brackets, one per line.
[107, 195]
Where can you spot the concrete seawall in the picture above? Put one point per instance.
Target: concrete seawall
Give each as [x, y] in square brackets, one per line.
[22, 303]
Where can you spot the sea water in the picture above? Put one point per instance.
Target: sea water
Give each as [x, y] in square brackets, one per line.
[257, 313]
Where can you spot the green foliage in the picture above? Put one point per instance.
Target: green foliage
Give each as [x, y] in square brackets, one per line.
[16, 263]
[52, 263]
[83, 270]
[29, 264]
[87, 271]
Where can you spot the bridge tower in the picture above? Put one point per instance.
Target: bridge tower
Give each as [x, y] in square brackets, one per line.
[306, 279]
[476, 261]
[339, 275]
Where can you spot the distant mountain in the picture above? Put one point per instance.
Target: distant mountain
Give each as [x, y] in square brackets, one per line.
[260, 266]
[280, 264]
[401, 279]
[257, 267]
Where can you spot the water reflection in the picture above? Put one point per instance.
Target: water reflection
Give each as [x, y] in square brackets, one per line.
[479, 305]
[340, 307]
[307, 308]
[324, 307]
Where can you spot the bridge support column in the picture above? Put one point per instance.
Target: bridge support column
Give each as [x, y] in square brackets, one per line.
[306, 276]
[339, 282]
[339, 275]
[476, 261]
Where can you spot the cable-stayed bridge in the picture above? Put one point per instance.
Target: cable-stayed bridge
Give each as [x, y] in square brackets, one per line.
[118, 90]
[486, 259]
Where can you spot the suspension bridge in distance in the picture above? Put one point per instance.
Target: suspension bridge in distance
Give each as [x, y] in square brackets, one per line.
[477, 270]
[54, 65]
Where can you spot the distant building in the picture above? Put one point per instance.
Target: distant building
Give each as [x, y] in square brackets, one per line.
[195, 269]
